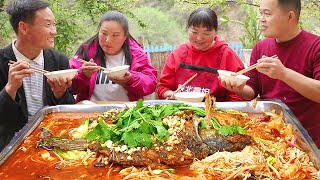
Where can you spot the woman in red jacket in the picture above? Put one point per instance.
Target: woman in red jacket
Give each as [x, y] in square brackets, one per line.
[204, 54]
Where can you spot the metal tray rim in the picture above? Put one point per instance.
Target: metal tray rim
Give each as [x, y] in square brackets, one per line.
[29, 128]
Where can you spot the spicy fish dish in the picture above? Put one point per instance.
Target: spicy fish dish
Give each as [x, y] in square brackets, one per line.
[165, 141]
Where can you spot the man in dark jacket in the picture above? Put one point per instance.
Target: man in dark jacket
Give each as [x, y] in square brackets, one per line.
[23, 92]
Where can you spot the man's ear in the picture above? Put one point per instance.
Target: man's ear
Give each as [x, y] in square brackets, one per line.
[23, 27]
[292, 16]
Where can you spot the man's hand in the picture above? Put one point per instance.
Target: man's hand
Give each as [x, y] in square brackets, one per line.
[121, 80]
[88, 68]
[59, 87]
[17, 72]
[272, 67]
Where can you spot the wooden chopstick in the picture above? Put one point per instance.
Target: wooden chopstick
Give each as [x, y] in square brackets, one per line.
[37, 70]
[83, 61]
[183, 85]
[34, 70]
[253, 66]
[245, 70]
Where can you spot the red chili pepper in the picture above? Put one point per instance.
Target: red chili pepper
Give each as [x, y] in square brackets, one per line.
[275, 132]
[265, 118]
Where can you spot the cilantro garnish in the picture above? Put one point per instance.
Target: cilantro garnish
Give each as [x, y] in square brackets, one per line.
[136, 126]
[224, 130]
[142, 125]
[227, 130]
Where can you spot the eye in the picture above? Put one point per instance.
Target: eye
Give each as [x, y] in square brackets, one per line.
[264, 13]
[103, 33]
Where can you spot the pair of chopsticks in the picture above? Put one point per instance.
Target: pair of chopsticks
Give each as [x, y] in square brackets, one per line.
[35, 69]
[183, 85]
[250, 67]
[103, 68]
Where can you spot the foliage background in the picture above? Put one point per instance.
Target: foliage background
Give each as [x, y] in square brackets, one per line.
[157, 21]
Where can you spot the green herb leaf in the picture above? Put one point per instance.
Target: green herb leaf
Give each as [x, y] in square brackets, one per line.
[203, 124]
[227, 130]
[163, 133]
[145, 140]
[101, 132]
[129, 139]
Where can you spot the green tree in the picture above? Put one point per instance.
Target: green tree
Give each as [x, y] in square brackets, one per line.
[67, 23]
[76, 20]
[310, 16]
[163, 5]
[160, 27]
[5, 29]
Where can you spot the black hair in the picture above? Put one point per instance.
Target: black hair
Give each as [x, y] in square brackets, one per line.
[24, 10]
[108, 16]
[204, 17]
[291, 5]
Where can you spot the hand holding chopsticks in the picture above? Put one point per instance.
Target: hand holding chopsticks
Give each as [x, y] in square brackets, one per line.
[34, 69]
[100, 67]
[250, 68]
[182, 86]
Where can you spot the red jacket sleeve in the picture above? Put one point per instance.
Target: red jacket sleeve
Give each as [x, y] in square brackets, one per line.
[167, 77]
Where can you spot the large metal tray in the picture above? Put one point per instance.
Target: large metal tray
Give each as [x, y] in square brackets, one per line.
[304, 140]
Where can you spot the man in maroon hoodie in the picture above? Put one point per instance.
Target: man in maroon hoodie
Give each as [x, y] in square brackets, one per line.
[204, 55]
[294, 76]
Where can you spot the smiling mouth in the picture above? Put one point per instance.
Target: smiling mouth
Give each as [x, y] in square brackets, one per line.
[263, 27]
[51, 39]
[199, 44]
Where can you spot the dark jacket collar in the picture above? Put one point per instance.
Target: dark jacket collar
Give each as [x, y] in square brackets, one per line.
[8, 53]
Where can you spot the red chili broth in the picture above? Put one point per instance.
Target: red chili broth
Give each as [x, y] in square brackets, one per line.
[29, 164]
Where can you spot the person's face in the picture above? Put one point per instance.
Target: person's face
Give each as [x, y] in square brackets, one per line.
[111, 37]
[41, 32]
[201, 38]
[274, 21]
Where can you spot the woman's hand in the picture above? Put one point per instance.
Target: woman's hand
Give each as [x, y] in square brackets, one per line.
[168, 95]
[89, 68]
[121, 80]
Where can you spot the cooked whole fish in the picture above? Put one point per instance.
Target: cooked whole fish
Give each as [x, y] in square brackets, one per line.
[192, 144]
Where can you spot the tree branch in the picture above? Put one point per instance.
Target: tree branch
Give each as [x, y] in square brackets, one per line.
[248, 3]
[192, 2]
[227, 1]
